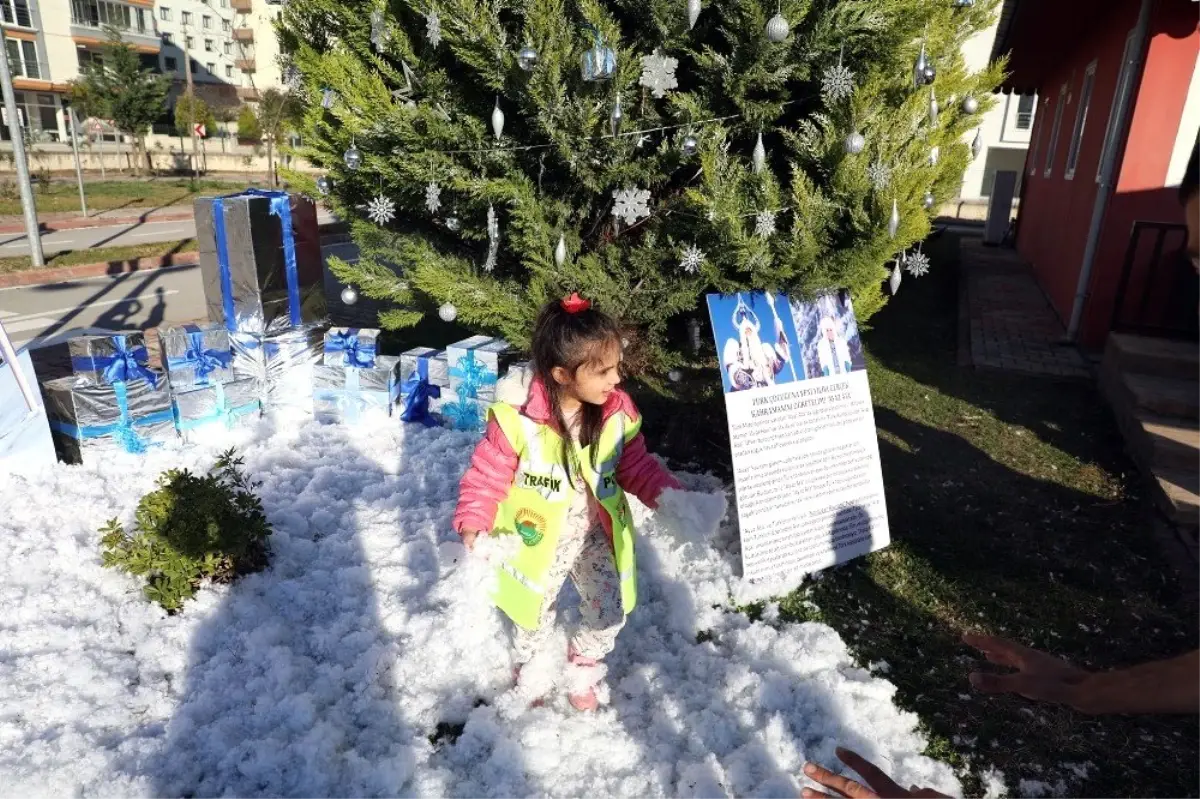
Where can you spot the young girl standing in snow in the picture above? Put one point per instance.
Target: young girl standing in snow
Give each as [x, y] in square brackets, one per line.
[561, 449]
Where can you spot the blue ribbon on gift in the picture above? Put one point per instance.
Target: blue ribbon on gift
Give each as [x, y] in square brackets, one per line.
[129, 363]
[222, 413]
[417, 391]
[122, 430]
[202, 361]
[472, 375]
[355, 353]
[350, 399]
[463, 415]
[281, 206]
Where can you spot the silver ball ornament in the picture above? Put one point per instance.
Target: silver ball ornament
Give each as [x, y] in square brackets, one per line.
[352, 157]
[452, 223]
[855, 143]
[527, 58]
[970, 105]
[689, 145]
[447, 313]
[778, 28]
[324, 184]
[928, 201]
[349, 295]
[674, 375]
[930, 73]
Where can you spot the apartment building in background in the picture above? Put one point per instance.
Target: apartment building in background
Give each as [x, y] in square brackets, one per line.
[231, 44]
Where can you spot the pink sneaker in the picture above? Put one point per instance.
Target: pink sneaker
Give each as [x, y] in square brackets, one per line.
[582, 697]
[540, 701]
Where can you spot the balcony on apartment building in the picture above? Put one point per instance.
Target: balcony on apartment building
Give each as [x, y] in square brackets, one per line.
[243, 35]
[242, 6]
[248, 93]
[90, 18]
[245, 63]
[18, 12]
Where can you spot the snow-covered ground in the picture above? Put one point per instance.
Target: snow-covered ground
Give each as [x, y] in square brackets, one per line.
[330, 673]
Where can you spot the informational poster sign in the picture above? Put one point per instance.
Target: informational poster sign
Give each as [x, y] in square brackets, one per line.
[802, 430]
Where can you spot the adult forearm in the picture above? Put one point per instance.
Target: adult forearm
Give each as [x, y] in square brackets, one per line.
[1161, 686]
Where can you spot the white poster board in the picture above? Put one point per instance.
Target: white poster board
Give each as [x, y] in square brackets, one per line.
[802, 433]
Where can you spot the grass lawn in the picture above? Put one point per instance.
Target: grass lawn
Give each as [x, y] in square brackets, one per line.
[1014, 511]
[135, 195]
[97, 255]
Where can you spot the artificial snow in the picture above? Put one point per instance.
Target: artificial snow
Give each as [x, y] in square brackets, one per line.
[367, 661]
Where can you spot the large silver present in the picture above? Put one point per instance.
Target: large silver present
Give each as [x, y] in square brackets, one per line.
[346, 393]
[428, 364]
[89, 421]
[260, 260]
[226, 404]
[350, 346]
[196, 355]
[111, 358]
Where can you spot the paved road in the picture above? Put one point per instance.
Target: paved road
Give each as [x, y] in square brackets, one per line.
[110, 236]
[140, 300]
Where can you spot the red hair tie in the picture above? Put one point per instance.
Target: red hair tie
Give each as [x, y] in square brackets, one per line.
[574, 304]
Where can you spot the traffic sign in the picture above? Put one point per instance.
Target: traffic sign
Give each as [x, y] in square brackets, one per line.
[200, 129]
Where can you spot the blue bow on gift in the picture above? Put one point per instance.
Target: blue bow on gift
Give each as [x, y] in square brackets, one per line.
[280, 206]
[417, 391]
[223, 412]
[358, 354]
[122, 431]
[129, 363]
[463, 415]
[472, 374]
[203, 361]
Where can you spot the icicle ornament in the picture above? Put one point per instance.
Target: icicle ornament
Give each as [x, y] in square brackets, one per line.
[497, 120]
[760, 155]
[693, 12]
[933, 108]
[614, 118]
[977, 144]
[919, 68]
[560, 252]
[894, 220]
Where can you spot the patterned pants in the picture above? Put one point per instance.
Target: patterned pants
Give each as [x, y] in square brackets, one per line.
[584, 553]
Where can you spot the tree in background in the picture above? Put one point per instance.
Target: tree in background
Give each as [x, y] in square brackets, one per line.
[642, 152]
[120, 89]
[224, 109]
[189, 108]
[278, 114]
[247, 125]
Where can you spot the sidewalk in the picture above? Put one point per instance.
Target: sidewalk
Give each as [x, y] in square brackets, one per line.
[68, 220]
[1005, 320]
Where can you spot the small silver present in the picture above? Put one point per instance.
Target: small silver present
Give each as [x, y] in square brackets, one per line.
[476, 365]
[110, 358]
[350, 346]
[226, 404]
[281, 363]
[428, 363]
[346, 393]
[89, 420]
[196, 355]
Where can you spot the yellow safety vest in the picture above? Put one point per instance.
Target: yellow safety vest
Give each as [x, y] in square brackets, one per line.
[538, 503]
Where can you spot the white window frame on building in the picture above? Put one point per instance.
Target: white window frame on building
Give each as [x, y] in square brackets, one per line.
[16, 12]
[22, 55]
[191, 42]
[1025, 115]
[170, 63]
[164, 13]
[1081, 110]
[228, 71]
[185, 17]
[1056, 129]
[209, 47]
[228, 46]
[226, 27]
[38, 113]
[211, 67]
[206, 22]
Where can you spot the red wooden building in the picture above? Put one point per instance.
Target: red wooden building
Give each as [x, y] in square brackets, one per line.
[1119, 93]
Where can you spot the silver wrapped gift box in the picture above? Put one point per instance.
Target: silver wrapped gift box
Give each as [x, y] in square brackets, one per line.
[110, 358]
[281, 364]
[260, 260]
[427, 362]
[345, 393]
[476, 365]
[196, 355]
[91, 420]
[351, 346]
[225, 404]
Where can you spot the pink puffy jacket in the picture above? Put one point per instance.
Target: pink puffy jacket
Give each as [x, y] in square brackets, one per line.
[494, 465]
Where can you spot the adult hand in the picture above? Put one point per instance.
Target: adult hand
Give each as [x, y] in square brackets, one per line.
[877, 784]
[1038, 676]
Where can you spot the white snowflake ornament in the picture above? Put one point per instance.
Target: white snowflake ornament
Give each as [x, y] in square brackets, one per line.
[433, 197]
[917, 264]
[658, 73]
[764, 224]
[880, 175]
[381, 210]
[433, 28]
[631, 204]
[837, 84]
[692, 258]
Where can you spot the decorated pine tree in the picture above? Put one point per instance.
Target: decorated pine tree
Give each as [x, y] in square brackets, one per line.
[496, 153]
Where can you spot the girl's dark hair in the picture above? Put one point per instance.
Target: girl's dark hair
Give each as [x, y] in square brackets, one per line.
[570, 341]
